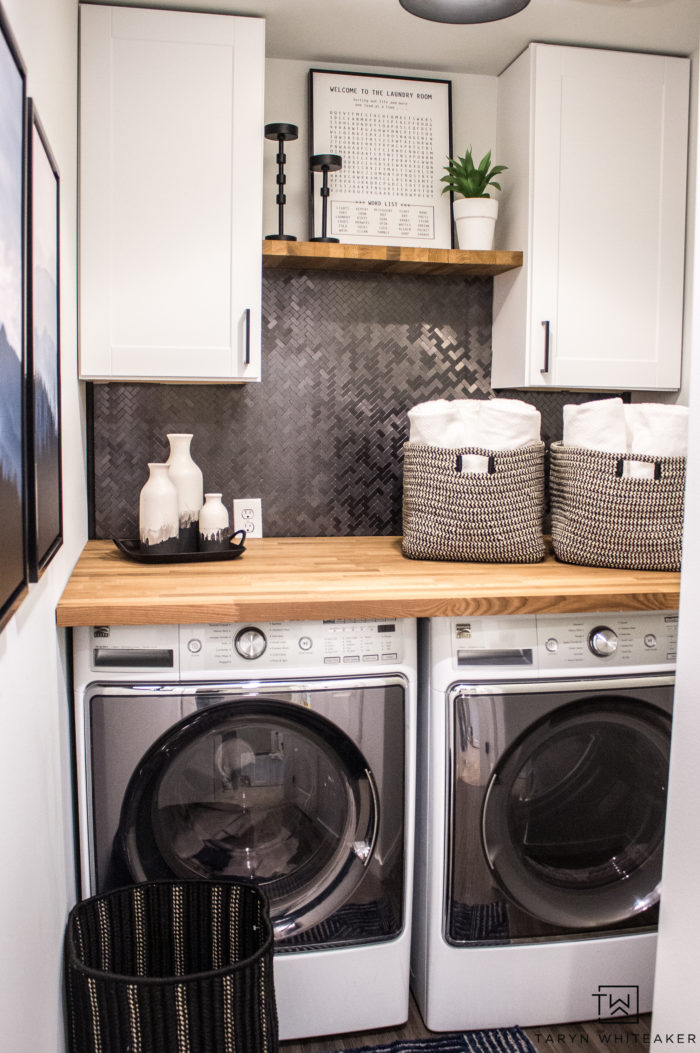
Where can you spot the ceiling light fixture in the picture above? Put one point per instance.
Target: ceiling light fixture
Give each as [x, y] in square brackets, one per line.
[464, 11]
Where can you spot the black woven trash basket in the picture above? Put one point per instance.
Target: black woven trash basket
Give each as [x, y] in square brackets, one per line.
[171, 967]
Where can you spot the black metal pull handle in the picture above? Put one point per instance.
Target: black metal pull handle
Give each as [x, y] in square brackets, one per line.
[246, 358]
[545, 368]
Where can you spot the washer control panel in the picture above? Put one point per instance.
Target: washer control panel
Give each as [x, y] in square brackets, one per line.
[525, 645]
[336, 644]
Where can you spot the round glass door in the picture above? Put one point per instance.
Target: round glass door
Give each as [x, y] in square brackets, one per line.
[573, 815]
[255, 790]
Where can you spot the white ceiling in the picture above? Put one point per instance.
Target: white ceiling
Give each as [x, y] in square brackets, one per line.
[382, 33]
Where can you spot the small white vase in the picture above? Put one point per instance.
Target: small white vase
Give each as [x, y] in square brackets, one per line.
[189, 483]
[475, 221]
[213, 525]
[158, 512]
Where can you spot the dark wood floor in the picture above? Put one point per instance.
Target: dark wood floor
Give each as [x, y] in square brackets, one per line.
[594, 1035]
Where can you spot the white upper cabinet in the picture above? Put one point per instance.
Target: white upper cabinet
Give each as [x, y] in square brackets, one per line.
[595, 195]
[171, 151]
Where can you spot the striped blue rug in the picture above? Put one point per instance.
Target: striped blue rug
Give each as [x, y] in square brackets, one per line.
[496, 1040]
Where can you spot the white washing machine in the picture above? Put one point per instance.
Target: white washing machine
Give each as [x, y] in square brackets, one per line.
[280, 753]
[542, 765]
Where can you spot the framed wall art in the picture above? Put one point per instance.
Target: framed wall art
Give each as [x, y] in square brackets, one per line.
[13, 546]
[44, 482]
[394, 137]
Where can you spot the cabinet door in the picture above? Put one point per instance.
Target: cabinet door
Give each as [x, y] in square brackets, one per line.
[171, 144]
[606, 223]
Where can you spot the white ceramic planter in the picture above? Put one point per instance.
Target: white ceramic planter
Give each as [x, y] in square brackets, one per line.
[475, 221]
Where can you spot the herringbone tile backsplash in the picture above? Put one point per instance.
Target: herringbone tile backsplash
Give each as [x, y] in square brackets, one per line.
[320, 438]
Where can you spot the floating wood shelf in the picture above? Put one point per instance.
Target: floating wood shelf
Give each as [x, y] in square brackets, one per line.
[328, 256]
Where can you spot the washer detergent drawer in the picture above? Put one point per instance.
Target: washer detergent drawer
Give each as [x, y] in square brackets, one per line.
[292, 789]
[556, 813]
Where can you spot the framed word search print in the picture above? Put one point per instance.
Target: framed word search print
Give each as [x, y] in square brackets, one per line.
[394, 137]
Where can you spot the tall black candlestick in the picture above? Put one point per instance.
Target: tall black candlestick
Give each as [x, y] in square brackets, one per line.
[282, 133]
[325, 163]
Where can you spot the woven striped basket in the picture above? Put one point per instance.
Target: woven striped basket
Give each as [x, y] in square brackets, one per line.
[171, 967]
[602, 518]
[491, 517]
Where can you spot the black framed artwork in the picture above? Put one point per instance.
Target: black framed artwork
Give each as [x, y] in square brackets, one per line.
[13, 545]
[392, 136]
[44, 482]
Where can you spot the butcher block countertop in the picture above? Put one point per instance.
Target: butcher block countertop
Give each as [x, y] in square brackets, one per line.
[290, 579]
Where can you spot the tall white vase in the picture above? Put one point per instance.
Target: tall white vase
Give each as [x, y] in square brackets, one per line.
[158, 512]
[189, 483]
[213, 525]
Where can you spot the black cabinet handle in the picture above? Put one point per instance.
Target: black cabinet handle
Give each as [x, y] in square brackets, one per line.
[545, 368]
[246, 359]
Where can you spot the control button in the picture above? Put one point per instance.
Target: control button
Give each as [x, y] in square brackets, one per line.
[371, 658]
[305, 643]
[552, 645]
[250, 643]
[650, 640]
[194, 646]
[351, 658]
[391, 656]
[332, 659]
[602, 641]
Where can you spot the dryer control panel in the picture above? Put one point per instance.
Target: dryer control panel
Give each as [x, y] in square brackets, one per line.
[525, 645]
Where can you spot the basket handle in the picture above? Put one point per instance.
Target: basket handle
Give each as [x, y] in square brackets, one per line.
[620, 466]
[491, 467]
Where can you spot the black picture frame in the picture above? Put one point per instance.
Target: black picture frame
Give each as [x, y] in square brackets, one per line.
[43, 395]
[14, 575]
[372, 210]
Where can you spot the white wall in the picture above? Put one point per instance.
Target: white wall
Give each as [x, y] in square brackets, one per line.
[36, 832]
[677, 982]
[286, 101]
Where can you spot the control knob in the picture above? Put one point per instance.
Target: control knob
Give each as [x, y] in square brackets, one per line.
[250, 642]
[602, 641]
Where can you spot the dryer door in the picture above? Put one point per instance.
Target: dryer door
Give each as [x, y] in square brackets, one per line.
[256, 788]
[573, 813]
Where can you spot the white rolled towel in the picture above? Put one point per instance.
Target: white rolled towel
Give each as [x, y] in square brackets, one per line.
[655, 429]
[436, 423]
[506, 424]
[596, 425]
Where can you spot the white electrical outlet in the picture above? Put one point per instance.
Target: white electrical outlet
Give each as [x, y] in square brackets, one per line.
[247, 515]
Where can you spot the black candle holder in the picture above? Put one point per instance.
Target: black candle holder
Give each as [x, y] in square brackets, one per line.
[325, 163]
[282, 133]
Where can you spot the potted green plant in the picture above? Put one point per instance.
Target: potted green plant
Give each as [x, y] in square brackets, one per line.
[475, 211]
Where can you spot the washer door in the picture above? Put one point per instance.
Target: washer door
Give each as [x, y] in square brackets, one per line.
[259, 790]
[573, 814]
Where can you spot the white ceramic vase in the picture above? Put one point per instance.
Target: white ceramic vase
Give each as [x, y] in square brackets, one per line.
[189, 483]
[213, 525]
[158, 512]
[475, 222]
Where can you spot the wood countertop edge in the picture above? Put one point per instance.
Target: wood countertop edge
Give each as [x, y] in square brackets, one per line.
[154, 613]
[292, 579]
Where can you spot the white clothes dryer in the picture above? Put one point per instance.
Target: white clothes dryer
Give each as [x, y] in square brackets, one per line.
[278, 753]
[543, 758]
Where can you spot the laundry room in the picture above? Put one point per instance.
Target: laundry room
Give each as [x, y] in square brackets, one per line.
[449, 752]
